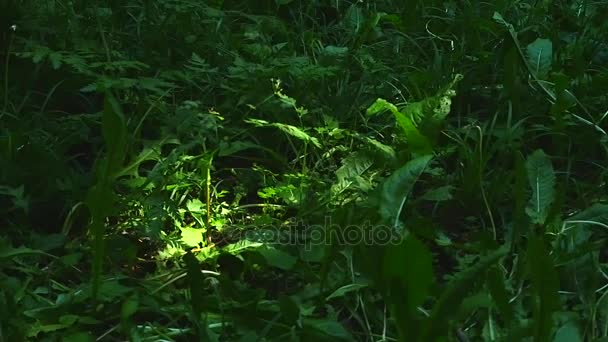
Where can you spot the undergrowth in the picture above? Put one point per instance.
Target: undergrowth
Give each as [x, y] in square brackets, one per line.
[297, 170]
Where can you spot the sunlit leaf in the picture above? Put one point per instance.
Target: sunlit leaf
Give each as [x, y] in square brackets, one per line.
[418, 143]
[192, 236]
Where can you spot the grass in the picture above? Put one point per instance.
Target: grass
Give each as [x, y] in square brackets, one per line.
[290, 170]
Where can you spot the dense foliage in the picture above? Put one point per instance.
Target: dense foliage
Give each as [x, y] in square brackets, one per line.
[291, 170]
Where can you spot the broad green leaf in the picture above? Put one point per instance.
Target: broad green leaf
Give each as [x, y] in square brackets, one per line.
[278, 258]
[408, 268]
[568, 332]
[540, 54]
[353, 166]
[129, 307]
[449, 301]
[386, 150]
[195, 205]
[349, 174]
[545, 282]
[354, 18]
[542, 181]
[112, 289]
[289, 309]
[597, 213]
[381, 105]
[191, 236]
[242, 245]
[433, 108]
[418, 143]
[114, 133]
[329, 328]
[397, 187]
[421, 121]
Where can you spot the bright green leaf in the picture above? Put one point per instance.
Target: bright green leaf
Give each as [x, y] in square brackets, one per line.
[418, 143]
[192, 236]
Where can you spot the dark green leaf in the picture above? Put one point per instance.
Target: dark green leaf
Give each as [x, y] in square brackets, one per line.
[450, 299]
[398, 187]
[542, 181]
[277, 258]
[546, 286]
[408, 267]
